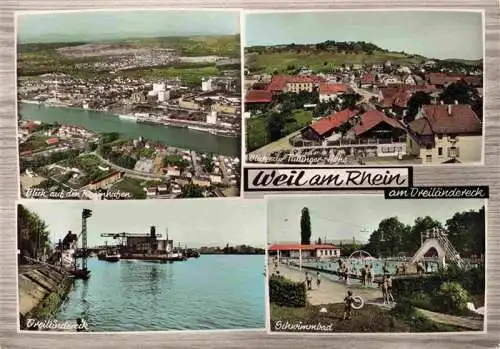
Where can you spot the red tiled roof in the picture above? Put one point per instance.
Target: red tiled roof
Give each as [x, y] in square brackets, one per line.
[332, 121]
[437, 120]
[473, 80]
[52, 140]
[441, 78]
[328, 88]
[296, 247]
[368, 79]
[371, 119]
[258, 96]
[400, 94]
[277, 84]
[113, 174]
[298, 79]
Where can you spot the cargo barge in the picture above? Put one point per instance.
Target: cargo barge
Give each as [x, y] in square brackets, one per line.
[145, 247]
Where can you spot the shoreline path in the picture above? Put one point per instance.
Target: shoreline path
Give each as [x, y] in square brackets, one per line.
[330, 291]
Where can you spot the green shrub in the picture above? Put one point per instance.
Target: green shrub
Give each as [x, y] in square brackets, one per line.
[421, 300]
[286, 293]
[472, 280]
[451, 298]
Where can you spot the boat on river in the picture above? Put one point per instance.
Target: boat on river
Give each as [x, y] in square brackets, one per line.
[128, 117]
[112, 257]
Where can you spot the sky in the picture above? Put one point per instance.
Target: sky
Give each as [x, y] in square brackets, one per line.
[345, 217]
[433, 34]
[191, 222]
[113, 25]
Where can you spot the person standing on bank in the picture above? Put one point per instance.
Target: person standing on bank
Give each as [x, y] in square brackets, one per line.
[318, 279]
[308, 281]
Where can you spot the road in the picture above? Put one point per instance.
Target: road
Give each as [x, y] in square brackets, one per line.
[225, 174]
[365, 95]
[129, 172]
[329, 291]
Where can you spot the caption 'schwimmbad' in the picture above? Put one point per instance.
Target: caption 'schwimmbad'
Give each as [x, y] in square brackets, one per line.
[141, 265]
[366, 264]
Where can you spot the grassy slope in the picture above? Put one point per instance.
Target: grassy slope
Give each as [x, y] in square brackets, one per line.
[256, 127]
[224, 45]
[42, 58]
[270, 61]
[370, 318]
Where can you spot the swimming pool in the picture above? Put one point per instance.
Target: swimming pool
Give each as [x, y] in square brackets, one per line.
[355, 265]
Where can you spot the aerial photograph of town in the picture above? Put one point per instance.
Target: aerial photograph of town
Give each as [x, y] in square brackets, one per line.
[129, 105]
[375, 265]
[141, 265]
[363, 87]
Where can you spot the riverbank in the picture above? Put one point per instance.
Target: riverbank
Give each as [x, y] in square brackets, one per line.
[42, 289]
[115, 113]
[107, 122]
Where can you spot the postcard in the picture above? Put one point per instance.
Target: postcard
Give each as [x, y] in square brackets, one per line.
[364, 87]
[361, 263]
[129, 104]
[141, 265]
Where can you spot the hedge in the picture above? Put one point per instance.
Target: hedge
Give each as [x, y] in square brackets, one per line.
[286, 293]
[472, 280]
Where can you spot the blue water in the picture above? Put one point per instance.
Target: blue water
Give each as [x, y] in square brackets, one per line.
[208, 293]
[106, 122]
[352, 264]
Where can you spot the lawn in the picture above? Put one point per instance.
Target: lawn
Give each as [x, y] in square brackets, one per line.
[257, 133]
[132, 186]
[301, 118]
[320, 61]
[370, 318]
[35, 142]
[188, 74]
[221, 45]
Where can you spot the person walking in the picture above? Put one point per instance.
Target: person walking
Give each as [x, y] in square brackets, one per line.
[348, 301]
[368, 275]
[363, 276]
[318, 279]
[383, 286]
[308, 281]
[390, 297]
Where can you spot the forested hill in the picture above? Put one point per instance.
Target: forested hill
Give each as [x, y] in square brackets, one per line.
[346, 47]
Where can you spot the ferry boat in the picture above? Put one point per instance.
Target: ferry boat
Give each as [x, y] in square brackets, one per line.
[128, 117]
[196, 128]
[112, 257]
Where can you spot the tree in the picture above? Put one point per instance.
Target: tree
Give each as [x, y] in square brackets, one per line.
[350, 100]
[32, 233]
[466, 232]
[386, 240]
[458, 91]
[305, 227]
[275, 125]
[192, 191]
[416, 101]
[411, 242]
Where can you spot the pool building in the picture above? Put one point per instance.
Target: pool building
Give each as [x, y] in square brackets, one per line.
[304, 251]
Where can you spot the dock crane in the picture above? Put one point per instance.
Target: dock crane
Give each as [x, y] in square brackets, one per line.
[83, 272]
[151, 238]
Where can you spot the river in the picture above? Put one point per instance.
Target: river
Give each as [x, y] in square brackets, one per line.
[208, 293]
[106, 122]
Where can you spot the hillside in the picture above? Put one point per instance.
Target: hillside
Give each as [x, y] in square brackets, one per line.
[325, 56]
[223, 45]
[40, 58]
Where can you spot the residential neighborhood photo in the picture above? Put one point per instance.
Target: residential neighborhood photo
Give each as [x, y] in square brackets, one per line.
[363, 93]
[150, 109]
